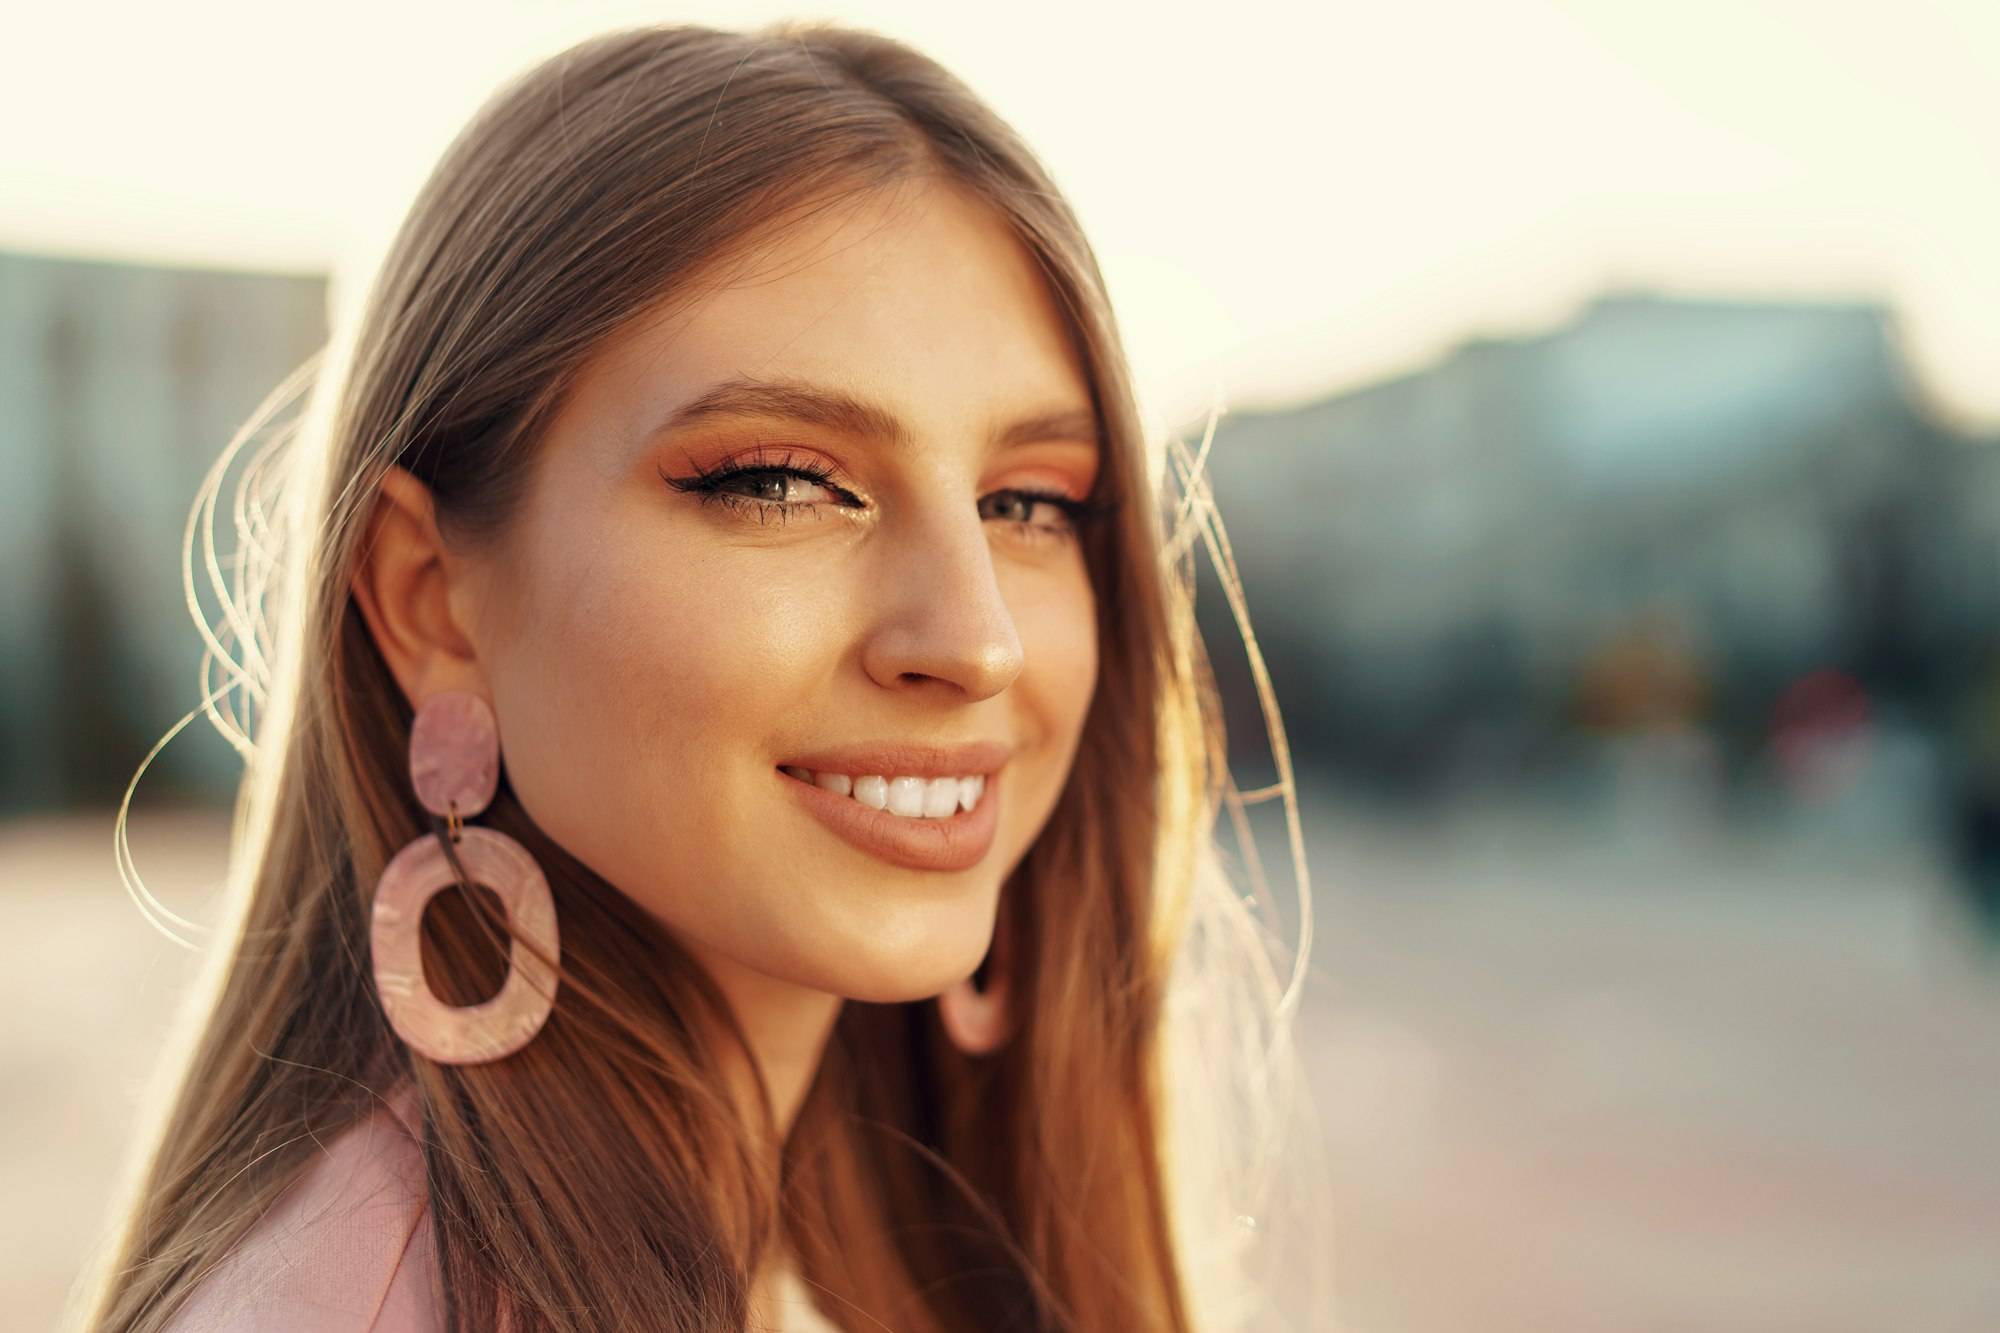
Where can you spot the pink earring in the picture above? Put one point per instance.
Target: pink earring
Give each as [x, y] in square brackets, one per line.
[455, 768]
[975, 1020]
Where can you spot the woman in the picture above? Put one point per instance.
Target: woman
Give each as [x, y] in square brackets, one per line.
[734, 773]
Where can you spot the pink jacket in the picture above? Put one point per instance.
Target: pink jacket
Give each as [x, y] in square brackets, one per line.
[347, 1249]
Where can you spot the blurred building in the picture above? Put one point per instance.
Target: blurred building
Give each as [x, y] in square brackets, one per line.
[119, 386]
[1440, 567]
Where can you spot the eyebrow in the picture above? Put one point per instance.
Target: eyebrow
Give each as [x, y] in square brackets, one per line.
[836, 410]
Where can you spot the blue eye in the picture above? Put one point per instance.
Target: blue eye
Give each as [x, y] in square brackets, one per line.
[766, 482]
[761, 471]
[1072, 511]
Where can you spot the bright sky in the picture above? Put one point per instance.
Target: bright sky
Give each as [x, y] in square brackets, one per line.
[1287, 199]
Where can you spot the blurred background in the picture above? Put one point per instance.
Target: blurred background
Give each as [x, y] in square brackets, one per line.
[1605, 406]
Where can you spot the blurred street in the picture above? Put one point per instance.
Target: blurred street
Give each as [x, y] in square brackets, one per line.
[1650, 1081]
[1656, 1077]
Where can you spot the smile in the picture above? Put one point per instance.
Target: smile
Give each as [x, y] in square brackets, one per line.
[910, 797]
[944, 823]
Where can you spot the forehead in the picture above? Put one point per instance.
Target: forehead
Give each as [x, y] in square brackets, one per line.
[917, 296]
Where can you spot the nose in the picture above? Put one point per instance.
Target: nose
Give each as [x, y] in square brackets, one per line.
[939, 613]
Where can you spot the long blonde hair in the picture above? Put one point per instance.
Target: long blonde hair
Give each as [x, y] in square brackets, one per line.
[921, 1190]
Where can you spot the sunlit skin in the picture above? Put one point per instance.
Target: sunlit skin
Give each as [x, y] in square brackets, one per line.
[652, 659]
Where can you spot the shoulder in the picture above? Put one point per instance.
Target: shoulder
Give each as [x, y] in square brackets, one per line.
[347, 1249]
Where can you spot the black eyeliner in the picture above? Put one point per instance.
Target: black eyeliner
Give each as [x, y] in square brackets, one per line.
[707, 483]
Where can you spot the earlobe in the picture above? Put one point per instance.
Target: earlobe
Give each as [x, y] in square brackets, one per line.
[401, 584]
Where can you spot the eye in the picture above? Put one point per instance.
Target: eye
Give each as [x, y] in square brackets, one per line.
[1021, 502]
[770, 489]
[764, 486]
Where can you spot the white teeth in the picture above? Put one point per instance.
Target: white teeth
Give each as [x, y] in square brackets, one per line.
[906, 796]
[910, 797]
[940, 798]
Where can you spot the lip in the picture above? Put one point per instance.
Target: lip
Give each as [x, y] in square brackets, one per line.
[909, 761]
[957, 843]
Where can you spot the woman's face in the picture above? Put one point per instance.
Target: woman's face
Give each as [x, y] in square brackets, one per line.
[656, 652]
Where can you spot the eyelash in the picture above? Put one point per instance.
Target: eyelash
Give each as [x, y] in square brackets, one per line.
[706, 483]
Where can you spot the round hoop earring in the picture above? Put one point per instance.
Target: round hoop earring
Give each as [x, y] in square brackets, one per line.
[455, 769]
[978, 1021]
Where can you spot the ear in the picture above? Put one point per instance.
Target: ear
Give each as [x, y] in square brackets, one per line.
[408, 588]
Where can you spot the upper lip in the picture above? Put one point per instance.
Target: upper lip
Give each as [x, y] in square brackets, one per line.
[912, 760]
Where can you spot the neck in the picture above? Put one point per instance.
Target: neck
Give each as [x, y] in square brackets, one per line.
[787, 1027]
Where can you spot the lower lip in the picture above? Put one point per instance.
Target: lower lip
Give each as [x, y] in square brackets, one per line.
[957, 843]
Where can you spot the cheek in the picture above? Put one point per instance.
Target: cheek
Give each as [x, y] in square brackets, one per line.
[643, 677]
[1058, 628]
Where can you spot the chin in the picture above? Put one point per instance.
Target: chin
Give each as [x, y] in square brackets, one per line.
[873, 975]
